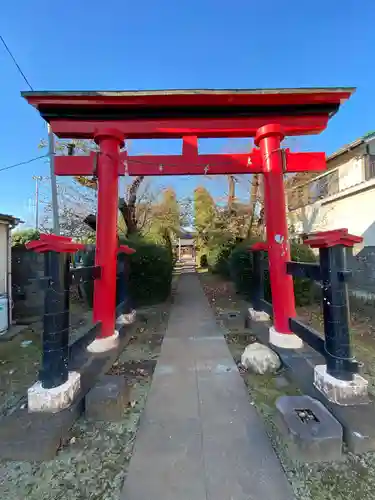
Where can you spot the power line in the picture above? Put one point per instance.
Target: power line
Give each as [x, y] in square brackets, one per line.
[23, 163]
[16, 63]
[51, 151]
[142, 162]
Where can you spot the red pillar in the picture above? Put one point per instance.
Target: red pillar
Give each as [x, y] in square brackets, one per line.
[268, 138]
[109, 142]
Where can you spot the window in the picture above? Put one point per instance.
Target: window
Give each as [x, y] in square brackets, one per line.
[326, 185]
[370, 167]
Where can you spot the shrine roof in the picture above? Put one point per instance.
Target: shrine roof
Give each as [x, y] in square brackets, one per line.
[176, 104]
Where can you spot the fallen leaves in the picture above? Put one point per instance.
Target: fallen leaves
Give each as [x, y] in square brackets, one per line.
[133, 369]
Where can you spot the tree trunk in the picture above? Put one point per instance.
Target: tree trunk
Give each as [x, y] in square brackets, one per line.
[231, 192]
[128, 208]
[254, 198]
[261, 223]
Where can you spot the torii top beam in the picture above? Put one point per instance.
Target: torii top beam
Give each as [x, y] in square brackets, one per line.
[179, 113]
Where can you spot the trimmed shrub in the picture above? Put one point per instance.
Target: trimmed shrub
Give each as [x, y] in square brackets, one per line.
[23, 236]
[304, 289]
[150, 276]
[151, 269]
[241, 270]
[218, 259]
[203, 261]
[88, 259]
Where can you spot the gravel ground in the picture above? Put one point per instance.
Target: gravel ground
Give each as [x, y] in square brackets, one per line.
[92, 464]
[354, 477]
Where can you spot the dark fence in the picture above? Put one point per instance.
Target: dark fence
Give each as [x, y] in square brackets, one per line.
[27, 297]
[58, 278]
[333, 275]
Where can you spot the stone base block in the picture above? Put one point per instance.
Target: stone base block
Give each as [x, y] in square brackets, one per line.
[232, 319]
[258, 315]
[36, 436]
[284, 340]
[127, 319]
[341, 392]
[310, 431]
[104, 344]
[55, 399]
[107, 399]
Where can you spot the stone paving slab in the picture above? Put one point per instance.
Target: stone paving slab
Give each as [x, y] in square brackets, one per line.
[168, 462]
[199, 437]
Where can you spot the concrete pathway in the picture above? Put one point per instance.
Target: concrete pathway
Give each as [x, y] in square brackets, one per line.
[199, 436]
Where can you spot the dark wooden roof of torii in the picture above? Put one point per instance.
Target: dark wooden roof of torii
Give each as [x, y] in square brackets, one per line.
[175, 105]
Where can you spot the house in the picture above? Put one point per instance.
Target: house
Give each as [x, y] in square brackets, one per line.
[7, 223]
[341, 197]
[185, 246]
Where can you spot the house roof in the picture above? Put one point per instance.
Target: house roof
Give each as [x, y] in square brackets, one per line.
[348, 147]
[307, 177]
[186, 236]
[10, 219]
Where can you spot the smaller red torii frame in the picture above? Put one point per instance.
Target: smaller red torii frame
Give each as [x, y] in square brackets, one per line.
[268, 115]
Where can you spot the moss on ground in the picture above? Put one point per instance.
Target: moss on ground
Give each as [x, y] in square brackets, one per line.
[354, 477]
[20, 357]
[19, 365]
[93, 463]
[362, 335]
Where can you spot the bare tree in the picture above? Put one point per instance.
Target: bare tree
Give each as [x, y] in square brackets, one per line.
[127, 206]
[134, 206]
[75, 204]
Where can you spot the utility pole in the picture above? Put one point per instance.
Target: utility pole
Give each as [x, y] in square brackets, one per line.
[37, 179]
[55, 206]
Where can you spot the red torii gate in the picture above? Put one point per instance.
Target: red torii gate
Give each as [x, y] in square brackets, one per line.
[268, 115]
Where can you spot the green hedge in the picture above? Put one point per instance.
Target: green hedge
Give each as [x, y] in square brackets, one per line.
[241, 268]
[22, 236]
[218, 259]
[241, 271]
[151, 269]
[203, 261]
[150, 277]
[304, 289]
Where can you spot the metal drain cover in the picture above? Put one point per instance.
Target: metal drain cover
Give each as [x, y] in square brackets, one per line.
[310, 430]
[230, 314]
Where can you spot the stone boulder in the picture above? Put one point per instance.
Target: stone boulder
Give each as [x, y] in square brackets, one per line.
[127, 319]
[260, 359]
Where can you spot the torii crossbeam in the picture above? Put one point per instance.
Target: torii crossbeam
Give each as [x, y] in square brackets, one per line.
[269, 115]
[190, 163]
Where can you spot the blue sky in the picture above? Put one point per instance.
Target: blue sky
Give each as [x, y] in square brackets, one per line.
[74, 45]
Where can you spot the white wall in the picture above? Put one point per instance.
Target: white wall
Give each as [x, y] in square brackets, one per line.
[371, 147]
[354, 210]
[3, 257]
[186, 242]
[351, 172]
